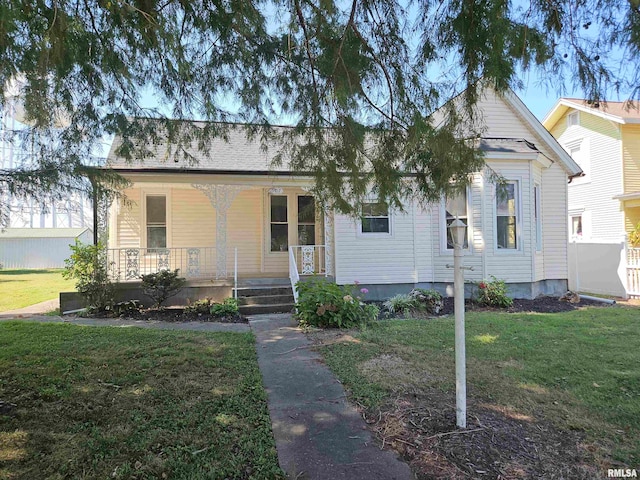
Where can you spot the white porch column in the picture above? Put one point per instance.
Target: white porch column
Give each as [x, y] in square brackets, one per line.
[328, 242]
[221, 197]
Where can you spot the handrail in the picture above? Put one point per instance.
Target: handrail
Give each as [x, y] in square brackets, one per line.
[294, 276]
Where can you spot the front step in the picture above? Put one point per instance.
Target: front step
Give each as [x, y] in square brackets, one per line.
[256, 300]
[262, 309]
[266, 300]
[264, 291]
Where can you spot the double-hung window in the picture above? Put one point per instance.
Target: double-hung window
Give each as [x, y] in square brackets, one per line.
[306, 220]
[156, 206]
[375, 218]
[507, 216]
[279, 223]
[456, 206]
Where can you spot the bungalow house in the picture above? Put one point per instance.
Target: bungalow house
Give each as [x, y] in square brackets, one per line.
[604, 203]
[196, 218]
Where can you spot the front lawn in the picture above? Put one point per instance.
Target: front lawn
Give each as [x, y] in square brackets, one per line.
[21, 288]
[100, 402]
[569, 378]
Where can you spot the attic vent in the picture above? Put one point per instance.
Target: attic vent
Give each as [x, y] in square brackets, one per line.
[573, 119]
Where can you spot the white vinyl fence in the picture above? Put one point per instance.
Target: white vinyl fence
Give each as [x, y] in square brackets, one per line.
[600, 268]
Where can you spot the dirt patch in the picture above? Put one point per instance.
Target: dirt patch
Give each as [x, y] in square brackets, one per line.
[497, 444]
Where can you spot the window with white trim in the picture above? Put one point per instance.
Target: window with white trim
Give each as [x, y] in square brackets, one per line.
[507, 216]
[375, 218]
[156, 209]
[576, 226]
[456, 206]
[306, 220]
[279, 223]
[537, 213]
[573, 119]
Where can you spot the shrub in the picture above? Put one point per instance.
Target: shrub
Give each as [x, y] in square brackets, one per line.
[634, 236]
[228, 308]
[88, 266]
[126, 308]
[493, 293]
[328, 305]
[200, 306]
[401, 303]
[429, 300]
[162, 285]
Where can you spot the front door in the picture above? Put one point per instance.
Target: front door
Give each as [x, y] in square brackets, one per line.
[291, 221]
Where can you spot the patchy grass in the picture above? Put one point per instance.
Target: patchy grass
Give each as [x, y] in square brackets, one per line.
[21, 288]
[100, 402]
[575, 371]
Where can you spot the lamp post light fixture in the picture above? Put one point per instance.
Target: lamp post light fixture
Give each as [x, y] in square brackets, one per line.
[458, 231]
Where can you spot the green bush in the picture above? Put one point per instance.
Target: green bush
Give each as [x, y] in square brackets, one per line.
[429, 300]
[401, 303]
[88, 266]
[493, 293]
[162, 285]
[127, 307]
[328, 305]
[199, 306]
[228, 308]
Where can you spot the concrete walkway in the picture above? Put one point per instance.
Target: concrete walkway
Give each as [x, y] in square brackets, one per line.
[318, 434]
[37, 309]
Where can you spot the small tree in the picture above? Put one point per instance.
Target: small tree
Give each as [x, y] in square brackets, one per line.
[162, 285]
[88, 266]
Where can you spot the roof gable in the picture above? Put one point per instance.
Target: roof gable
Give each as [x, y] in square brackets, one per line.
[618, 112]
[506, 115]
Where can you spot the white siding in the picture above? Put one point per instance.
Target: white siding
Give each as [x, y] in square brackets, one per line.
[375, 259]
[554, 224]
[550, 222]
[600, 139]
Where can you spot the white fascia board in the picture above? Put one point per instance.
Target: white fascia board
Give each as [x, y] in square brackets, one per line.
[565, 159]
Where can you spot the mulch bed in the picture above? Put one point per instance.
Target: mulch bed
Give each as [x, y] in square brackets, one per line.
[542, 304]
[177, 314]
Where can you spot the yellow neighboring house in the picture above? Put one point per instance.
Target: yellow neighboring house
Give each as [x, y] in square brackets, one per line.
[604, 203]
[604, 139]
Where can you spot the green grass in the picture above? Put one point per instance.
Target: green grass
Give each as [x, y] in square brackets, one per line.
[578, 370]
[21, 288]
[100, 402]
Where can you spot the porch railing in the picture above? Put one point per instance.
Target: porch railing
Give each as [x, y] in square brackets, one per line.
[305, 260]
[127, 264]
[633, 272]
[294, 276]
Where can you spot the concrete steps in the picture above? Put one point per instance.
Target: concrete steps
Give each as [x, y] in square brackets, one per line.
[256, 300]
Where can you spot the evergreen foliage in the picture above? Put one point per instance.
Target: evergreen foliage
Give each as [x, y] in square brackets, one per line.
[162, 285]
[360, 81]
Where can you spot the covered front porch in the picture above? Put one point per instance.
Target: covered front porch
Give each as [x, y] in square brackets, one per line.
[219, 230]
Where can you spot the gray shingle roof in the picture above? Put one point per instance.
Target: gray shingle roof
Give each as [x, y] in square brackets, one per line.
[239, 154]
